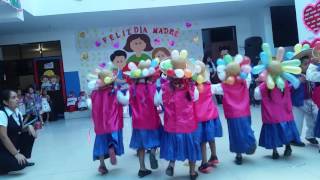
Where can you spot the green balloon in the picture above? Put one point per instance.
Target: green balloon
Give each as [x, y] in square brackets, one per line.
[305, 47]
[228, 58]
[280, 83]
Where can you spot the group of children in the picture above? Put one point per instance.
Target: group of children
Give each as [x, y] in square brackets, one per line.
[34, 105]
[191, 119]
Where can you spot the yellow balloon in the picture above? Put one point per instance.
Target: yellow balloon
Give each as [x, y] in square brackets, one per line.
[184, 54]
[292, 69]
[270, 82]
[297, 48]
[200, 79]
[107, 80]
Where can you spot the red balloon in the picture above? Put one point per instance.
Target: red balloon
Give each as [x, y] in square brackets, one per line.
[170, 72]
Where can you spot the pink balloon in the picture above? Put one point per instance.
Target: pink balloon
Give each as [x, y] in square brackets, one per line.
[263, 75]
[246, 68]
[246, 60]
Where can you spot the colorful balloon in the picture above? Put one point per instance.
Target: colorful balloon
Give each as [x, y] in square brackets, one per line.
[107, 80]
[246, 60]
[266, 48]
[292, 69]
[200, 79]
[221, 62]
[145, 72]
[263, 75]
[175, 55]
[183, 54]
[257, 69]
[280, 53]
[270, 82]
[187, 73]
[243, 75]
[292, 79]
[246, 68]
[305, 47]
[132, 66]
[297, 48]
[170, 72]
[221, 75]
[264, 58]
[289, 55]
[280, 83]
[152, 70]
[179, 73]
[295, 62]
[238, 58]
[228, 58]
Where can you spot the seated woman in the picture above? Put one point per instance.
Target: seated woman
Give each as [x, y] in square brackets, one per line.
[16, 138]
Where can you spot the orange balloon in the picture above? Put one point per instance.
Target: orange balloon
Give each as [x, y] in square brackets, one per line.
[187, 73]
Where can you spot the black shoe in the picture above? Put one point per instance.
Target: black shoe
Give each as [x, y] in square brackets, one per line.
[169, 171]
[144, 173]
[205, 168]
[312, 140]
[238, 160]
[153, 161]
[287, 152]
[298, 144]
[275, 155]
[29, 164]
[194, 176]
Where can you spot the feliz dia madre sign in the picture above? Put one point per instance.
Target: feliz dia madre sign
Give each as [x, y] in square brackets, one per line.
[103, 38]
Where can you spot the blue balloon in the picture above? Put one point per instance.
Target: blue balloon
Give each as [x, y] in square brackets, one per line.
[292, 79]
[289, 55]
[258, 69]
[264, 58]
[220, 62]
[154, 63]
[243, 75]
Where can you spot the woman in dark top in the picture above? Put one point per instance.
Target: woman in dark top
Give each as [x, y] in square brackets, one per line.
[16, 139]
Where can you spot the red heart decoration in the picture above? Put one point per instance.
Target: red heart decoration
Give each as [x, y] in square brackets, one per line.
[311, 17]
[312, 43]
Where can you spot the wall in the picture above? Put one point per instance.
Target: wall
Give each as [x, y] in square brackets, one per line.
[304, 32]
[244, 26]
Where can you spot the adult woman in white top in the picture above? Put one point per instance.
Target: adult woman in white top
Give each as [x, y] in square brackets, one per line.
[16, 139]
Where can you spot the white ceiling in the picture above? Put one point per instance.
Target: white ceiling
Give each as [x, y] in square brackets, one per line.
[136, 16]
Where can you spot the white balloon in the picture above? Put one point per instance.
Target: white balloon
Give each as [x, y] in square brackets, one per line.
[179, 73]
[132, 66]
[148, 62]
[197, 69]
[222, 75]
[145, 72]
[221, 68]
[238, 58]
[175, 54]
[92, 77]
[91, 85]
[183, 54]
[152, 70]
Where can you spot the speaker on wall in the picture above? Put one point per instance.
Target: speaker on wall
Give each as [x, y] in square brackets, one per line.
[252, 49]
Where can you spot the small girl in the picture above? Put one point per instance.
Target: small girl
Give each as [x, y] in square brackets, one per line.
[82, 101]
[313, 75]
[146, 122]
[46, 109]
[180, 139]
[21, 105]
[278, 127]
[236, 78]
[107, 116]
[208, 120]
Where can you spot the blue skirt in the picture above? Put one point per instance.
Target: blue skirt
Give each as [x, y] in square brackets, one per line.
[145, 139]
[180, 146]
[277, 135]
[209, 130]
[317, 128]
[104, 141]
[241, 136]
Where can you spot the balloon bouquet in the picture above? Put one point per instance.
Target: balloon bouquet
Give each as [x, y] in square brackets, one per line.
[143, 70]
[230, 68]
[101, 76]
[274, 71]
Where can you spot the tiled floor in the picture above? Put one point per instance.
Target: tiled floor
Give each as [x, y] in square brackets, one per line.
[63, 151]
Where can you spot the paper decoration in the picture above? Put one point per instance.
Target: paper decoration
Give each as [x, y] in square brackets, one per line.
[188, 25]
[157, 41]
[311, 17]
[171, 43]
